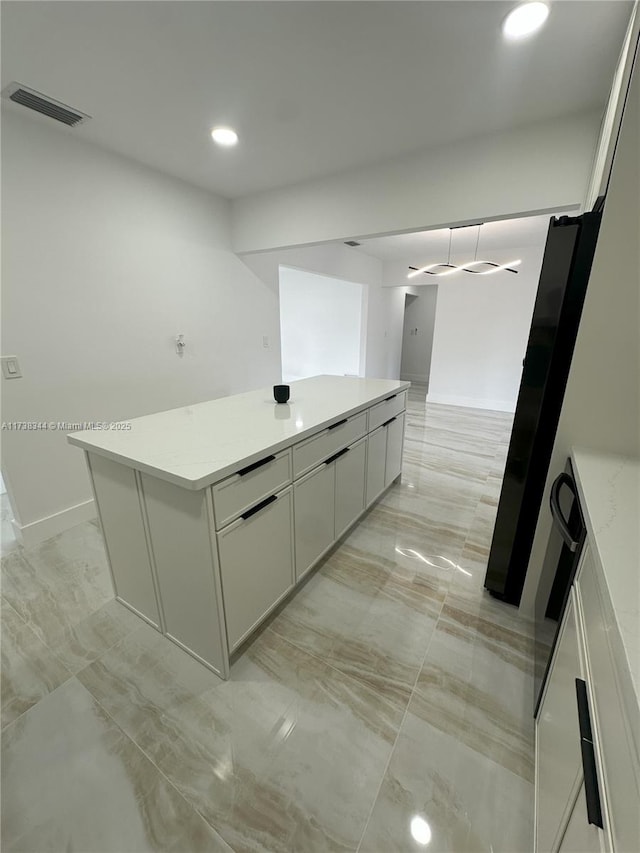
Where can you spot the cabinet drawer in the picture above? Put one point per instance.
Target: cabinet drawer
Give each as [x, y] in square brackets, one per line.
[250, 485]
[387, 409]
[256, 565]
[307, 454]
[617, 733]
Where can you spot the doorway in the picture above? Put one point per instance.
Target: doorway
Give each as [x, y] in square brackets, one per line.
[322, 330]
[417, 334]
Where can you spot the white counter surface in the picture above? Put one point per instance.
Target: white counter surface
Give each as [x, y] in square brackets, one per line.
[609, 489]
[198, 445]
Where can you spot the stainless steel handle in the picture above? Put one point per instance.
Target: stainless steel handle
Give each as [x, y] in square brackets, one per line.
[554, 501]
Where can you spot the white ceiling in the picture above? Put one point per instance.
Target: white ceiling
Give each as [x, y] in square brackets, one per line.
[313, 88]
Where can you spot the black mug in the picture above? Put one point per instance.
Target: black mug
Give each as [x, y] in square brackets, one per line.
[281, 393]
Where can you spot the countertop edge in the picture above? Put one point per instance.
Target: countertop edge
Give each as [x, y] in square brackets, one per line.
[227, 470]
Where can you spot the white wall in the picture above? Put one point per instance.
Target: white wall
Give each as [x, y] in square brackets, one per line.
[385, 307]
[104, 262]
[601, 408]
[481, 332]
[537, 168]
[418, 331]
[321, 328]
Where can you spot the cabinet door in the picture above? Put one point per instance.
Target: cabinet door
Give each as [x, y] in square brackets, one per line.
[256, 564]
[580, 836]
[395, 436]
[350, 471]
[376, 459]
[314, 507]
[558, 757]
[116, 489]
[186, 571]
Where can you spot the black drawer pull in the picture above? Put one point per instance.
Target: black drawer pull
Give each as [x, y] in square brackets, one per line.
[584, 720]
[336, 456]
[390, 421]
[338, 423]
[258, 507]
[392, 397]
[591, 790]
[255, 465]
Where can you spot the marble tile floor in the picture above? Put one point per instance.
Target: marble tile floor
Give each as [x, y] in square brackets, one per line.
[389, 702]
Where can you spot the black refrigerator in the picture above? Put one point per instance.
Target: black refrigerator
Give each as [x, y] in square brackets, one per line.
[568, 255]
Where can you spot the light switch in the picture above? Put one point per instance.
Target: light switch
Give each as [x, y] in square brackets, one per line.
[265, 341]
[10, 367]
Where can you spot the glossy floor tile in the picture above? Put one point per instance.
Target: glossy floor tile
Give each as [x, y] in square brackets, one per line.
[391, 687]
[73, 781]
[440, 795]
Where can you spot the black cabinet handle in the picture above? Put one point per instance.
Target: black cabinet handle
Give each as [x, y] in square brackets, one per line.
[554, 501]
[255, 465]
[338, 423]
[392, 397]
[591, 789]
[390, 421]
[258, 507]
[336, 455]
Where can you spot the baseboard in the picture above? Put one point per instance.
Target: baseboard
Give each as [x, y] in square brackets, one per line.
[44, 528]
[472, 402]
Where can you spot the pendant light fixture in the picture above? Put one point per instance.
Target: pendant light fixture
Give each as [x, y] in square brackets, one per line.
[442, 269]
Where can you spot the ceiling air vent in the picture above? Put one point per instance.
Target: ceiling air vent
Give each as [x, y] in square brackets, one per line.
[40, 103]
[351, 243]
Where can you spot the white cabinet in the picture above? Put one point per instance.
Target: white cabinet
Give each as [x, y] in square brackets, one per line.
[326, 502]
[185, 564]
[120, 510]
[587, 769]
[314, 508]
[350, 477]
[558, 759]
[395, 440]
[256, 563]
[205, 564]
[376, 461]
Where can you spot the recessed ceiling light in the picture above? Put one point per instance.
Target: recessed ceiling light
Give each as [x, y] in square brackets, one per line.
[525, 20]
[224, 136]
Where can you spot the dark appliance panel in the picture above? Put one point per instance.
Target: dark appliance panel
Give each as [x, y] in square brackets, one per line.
[556, 316]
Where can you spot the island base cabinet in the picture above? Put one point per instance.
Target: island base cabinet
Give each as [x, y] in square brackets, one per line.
[118, 500]
[395, 440]
[185, 563]
[256, 565]
[376, 458]
[350, 479]
[314, 509]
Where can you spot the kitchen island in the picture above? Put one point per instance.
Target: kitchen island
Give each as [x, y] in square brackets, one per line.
[213, 513]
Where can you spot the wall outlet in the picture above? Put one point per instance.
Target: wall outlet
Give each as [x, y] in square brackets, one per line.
[10, 367]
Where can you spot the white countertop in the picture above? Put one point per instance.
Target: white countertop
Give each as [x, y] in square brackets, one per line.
[197, 445]
[609, 490]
